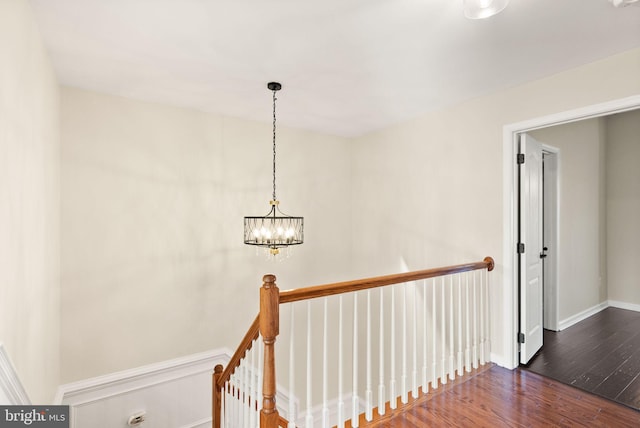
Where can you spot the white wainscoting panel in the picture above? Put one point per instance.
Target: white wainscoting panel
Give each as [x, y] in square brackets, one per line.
[11, 390]
[175, 393]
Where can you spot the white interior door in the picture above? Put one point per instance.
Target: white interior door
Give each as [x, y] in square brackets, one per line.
[530, 248]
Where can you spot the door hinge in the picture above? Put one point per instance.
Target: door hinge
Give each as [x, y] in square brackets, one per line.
[520, 248]
[520, 337]
[520, 158]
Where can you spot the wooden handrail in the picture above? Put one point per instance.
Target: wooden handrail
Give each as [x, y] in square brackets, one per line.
[379, 281]
[244, 346]
[282, 422]
[267, 324]
[220, 377]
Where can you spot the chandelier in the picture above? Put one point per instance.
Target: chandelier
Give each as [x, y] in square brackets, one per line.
[275, 230]
[480, 9]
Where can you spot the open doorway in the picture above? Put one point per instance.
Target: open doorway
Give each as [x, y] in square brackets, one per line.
[510, 246]
[596, 346]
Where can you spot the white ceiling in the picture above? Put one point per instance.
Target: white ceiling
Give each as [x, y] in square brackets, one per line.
[347, 66]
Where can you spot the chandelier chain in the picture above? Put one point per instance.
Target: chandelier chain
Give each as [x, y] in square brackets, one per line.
[274, 145]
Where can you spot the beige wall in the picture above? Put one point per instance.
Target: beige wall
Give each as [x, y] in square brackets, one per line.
[623, 206]
[153, 263]
[429, 191]
[29, 228]
[582, 241]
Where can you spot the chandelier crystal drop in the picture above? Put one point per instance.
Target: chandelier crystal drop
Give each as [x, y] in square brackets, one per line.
[275, 230]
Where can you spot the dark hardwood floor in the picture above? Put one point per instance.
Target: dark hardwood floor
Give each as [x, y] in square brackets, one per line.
[600, 355]
[497, 397]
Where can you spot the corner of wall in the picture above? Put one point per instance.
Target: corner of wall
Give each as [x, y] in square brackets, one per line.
[12, 391]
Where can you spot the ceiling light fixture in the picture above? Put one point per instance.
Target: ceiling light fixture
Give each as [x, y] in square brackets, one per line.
[623, 3]
[480, 9]
[274, 230]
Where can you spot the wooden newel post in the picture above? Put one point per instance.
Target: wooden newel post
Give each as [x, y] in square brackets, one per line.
[269, 329]
[216, 396]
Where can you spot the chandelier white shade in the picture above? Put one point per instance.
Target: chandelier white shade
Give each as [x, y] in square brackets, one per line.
[480, 9]
[275, 230]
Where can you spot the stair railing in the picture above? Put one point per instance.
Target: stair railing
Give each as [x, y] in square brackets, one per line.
[444, 310]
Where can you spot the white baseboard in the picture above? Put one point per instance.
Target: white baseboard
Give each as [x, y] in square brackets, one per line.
[500, 361]
[568, 322]
[204, 423]
[11, 390]
[332, 406]
[580, 316]
[624, 305]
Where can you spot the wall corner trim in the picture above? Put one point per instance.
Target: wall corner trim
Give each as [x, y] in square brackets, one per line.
[10, 384]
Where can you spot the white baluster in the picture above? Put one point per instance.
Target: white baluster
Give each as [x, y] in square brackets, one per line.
[460, 353]
[404, 392]
[253, 388]
[481, 310]
[223, 407]
[381, 392]
[258, 385]
[292, 364]
[488, 317]
[414, 374]
[434, 336]
[309, 417]
[240, 389]
[325, 370]
[355, 406]
[425, 387]
[452, 372]
[245, 392]
[234, 390]
[393, 397]
[475, 324]
[236, 402]
[467, 354]
[259, 381]
[225, 414]
[443, 332]
[229, 400]
[231, 415]
[369, 391]
[341, 415]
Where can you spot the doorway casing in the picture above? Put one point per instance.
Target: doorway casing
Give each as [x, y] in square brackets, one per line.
[551, 235]
[510, 208]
